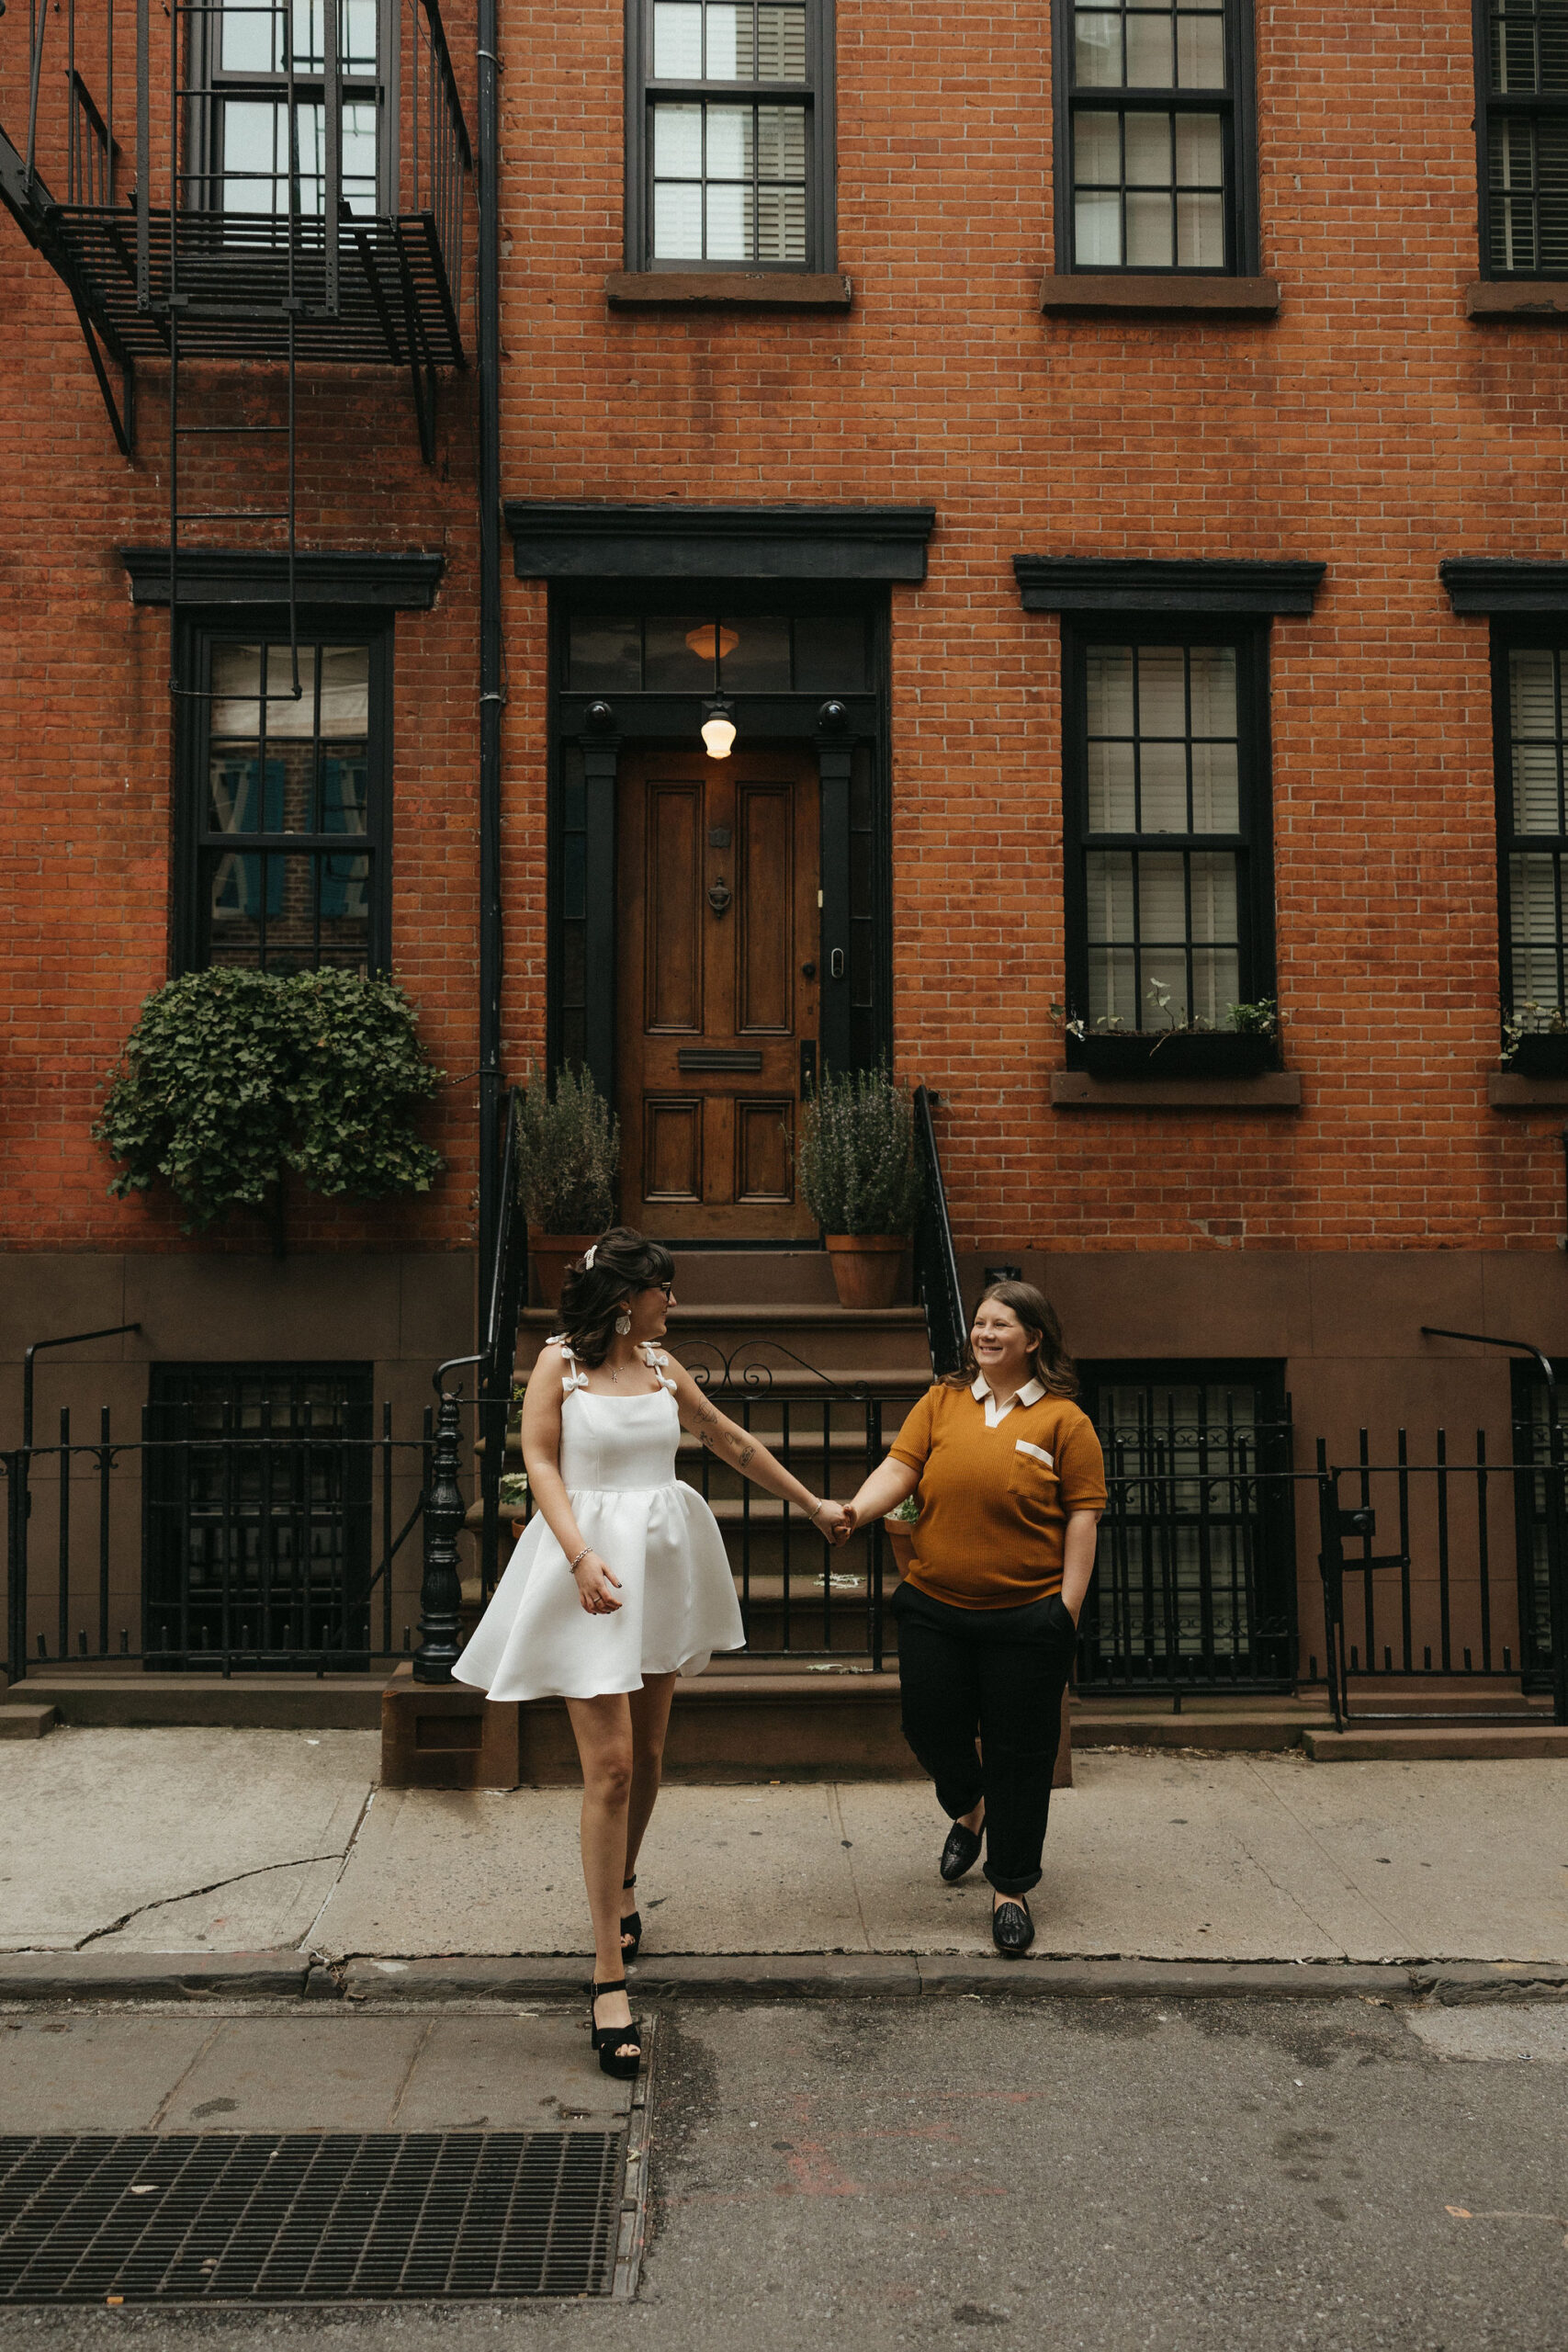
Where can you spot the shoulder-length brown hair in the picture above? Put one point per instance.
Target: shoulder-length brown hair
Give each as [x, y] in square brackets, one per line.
[1049, 1361]
[590, 1296]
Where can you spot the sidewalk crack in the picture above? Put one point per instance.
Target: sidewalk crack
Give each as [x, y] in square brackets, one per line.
[1352, 1886]
[305, 1942]
[188, 1895]
[836, 1815]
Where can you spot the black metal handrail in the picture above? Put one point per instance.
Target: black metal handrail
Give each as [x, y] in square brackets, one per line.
[936, 1267]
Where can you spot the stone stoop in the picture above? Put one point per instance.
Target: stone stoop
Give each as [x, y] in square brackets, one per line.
[1426, 1743]
[27, 1719]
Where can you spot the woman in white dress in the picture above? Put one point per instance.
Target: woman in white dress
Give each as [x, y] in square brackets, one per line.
[621, 1581]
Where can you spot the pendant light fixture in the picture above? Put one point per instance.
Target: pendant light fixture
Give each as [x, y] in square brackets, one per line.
[718, 727]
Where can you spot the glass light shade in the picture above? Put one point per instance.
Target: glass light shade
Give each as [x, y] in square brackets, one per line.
[711, 638]
[718, 735]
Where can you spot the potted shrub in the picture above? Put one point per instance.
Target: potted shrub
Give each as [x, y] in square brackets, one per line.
[899, 1528]
[570, 1154]
[1535, 1041]
[234, 1083]
[861, 1180]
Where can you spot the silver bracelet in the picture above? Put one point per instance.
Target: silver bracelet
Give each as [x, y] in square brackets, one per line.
[573, 1565]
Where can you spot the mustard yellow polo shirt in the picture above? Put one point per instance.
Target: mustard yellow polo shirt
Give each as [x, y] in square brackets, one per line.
[997, 1487]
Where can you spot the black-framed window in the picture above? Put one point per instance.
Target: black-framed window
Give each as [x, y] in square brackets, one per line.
[1521, 123]
[729, 144]
[1155, 136]
[1170, 887]
[244, 162]
[1530, 677]
[285, 803]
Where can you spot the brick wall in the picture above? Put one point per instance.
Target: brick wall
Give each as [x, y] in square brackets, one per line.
[1371, 426]
[85, 748]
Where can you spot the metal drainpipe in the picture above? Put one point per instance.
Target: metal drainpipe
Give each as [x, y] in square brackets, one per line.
[488, 306]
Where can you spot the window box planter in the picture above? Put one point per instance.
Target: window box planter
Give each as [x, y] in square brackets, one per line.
[1544, 1055]
[1181, 1054]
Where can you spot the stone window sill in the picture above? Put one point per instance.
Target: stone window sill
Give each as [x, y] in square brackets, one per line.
[1276, 1090]
[1198, 298]
[1505, 1092]
[1545, 300]
[728, 289]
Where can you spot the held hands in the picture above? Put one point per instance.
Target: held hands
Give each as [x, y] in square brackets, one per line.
[596, 1586]
[833, 1520]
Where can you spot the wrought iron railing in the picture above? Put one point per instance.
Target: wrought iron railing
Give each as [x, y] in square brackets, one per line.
[936, 1267]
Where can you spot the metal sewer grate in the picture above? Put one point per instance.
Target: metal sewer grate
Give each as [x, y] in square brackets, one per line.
[308, 2218]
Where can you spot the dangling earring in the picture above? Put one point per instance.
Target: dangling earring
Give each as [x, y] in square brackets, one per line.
[622, 1322]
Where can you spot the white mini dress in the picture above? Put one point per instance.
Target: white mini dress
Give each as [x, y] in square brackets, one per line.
[677, 1595]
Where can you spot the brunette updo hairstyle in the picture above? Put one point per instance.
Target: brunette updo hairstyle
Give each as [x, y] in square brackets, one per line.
[1049, 1361]
[591, 1297]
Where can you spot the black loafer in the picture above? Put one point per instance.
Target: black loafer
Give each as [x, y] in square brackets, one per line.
[1012, 1928]
[959, 1854]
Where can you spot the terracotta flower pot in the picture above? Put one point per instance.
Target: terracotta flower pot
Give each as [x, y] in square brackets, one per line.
[553, 1252]
[866, 1266]
[901, 1539]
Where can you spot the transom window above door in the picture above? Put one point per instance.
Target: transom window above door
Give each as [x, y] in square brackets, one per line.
[729, 146]
[703, 653]
[1167, 886]
[1156, 135]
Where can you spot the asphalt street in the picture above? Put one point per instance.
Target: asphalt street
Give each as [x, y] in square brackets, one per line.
[1101, 2175]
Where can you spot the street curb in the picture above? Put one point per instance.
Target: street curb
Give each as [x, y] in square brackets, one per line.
[61, 1976]
[62, 1979]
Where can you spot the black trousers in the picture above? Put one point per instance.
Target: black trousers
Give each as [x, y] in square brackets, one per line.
[997, 1675]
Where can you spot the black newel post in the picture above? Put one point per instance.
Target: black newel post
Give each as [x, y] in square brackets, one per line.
[441, 1587]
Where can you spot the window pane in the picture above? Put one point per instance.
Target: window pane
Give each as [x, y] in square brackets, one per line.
[1110, 677]
[1200, 232]
[1162, 690]
[1163, 788]
[1110, 895]
[729, 135]
[1534, 926]
[755, 656]
[1147, 150]
[1149, 223]
[1097, 150]
[1096, 232]
[677, 223]
[729, 44]
[781, 225]
[679, 658]
[1216, 788]
[1097, 49]
[1200, 52]
[830, 654]
[1113, 803]
[677, 41]
[250, 42]
[1197, 151]
[781, 43]
[345, 793]
[678, 142]
[1212, 686]
[1150, 50]
[781, 142]
[728, 222]
[603, 653]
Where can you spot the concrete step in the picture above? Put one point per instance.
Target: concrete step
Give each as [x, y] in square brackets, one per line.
[258, 1702]
[1456, 1743]
[792, 1343]
[1502, 1697]
[27, 1719]
[1250, 1730]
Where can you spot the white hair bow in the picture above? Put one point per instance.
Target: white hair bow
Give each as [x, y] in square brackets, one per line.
[588, 1256]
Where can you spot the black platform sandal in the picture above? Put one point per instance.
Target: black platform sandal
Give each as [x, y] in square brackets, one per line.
[608, 2040]
[631, 1925]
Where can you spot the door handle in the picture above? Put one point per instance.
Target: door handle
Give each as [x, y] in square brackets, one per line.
[808, 1066]
[836, 965]
[719, 896]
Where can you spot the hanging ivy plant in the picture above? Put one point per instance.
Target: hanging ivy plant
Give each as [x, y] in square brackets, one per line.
[231, 1079]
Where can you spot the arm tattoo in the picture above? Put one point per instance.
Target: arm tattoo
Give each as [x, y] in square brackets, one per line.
[743, 1459]
[707, 1414]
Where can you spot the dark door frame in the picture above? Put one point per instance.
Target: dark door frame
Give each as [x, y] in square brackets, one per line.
[851, 737]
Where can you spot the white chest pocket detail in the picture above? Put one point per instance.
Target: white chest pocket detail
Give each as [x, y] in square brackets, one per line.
[1035, 1453]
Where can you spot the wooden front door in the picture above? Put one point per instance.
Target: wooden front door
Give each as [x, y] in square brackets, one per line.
[719, 991]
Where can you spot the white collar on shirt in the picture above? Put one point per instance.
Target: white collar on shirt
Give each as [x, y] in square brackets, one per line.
[1029, 1394]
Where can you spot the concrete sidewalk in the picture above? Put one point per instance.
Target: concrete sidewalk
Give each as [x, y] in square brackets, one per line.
[213, 1842]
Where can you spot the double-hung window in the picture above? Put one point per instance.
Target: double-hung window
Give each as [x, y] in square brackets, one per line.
[284, 803]
[257, 143]
[1168, 889]
[1530, 725]
[729, 142]
[1155, 136]
[1522, 132]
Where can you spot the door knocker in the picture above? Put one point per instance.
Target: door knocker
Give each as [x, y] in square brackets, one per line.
[718, 896]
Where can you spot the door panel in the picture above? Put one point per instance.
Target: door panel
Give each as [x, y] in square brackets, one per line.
[718, 927]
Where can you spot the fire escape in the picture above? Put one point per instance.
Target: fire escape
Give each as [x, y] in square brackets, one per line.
[292, 194]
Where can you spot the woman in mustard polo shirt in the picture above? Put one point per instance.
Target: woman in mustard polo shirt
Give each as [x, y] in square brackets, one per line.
[1011, 1483]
